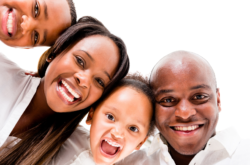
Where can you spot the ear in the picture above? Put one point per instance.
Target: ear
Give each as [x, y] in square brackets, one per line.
[90, 116]
[139, 145]
[218, 99]
[49, 59]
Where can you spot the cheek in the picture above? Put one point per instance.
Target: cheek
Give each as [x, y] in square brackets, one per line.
[21, 42]
[163, 115]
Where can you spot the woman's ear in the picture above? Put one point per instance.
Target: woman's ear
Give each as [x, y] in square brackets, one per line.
[139, 145]
[90, 116]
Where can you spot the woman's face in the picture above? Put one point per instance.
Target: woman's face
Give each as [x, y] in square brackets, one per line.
[29, 23]
[76, 79]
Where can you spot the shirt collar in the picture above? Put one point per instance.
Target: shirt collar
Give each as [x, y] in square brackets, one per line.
[227, 139]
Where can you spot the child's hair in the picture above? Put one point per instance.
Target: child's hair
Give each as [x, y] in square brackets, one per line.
[141, 84]
[41, 143]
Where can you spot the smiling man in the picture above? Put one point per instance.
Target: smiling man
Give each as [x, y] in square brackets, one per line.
[187, 111]
[29, 23]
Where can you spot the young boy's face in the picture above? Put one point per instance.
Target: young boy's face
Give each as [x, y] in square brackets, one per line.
[29, 23]
[119, 125]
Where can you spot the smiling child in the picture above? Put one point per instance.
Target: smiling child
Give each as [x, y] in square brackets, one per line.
[120, 123]
[29, 23]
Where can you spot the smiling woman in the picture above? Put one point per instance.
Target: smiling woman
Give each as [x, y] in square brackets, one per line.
[85, 62]
[29, 23]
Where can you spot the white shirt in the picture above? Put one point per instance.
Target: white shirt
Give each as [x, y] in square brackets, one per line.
[225, 148]
[76, 150]
[16, 92]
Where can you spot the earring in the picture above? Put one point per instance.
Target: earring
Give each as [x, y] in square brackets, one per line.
[49, 59]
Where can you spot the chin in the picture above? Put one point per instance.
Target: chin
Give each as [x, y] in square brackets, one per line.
[189, 150]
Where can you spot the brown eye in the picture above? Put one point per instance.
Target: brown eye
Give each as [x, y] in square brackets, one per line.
[110, 117]
[80, 61]
[197, 97]
[36, 9]
[99, 81]
[133, 129]
[36, 37]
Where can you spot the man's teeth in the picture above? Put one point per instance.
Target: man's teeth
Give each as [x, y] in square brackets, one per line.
[9, 23]
[112, 143]
[188, 128]
[70, 90]
[65, 95]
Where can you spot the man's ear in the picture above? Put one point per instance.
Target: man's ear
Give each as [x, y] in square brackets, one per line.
[139, 145]
[218, 99]
[90, 116]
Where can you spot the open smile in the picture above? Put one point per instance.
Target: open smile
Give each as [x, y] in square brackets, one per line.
[188, 130]
[67, 92]
[110, 148]
[9, 23]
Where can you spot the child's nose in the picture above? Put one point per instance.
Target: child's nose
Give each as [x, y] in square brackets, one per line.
[28, 24]
[116, 134]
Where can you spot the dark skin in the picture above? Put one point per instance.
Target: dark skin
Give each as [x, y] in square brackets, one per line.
[187, 98]
[85, 74]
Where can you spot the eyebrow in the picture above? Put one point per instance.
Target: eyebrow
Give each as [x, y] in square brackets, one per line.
[163, 91]
[45, 10]
[204, 86]
[44, 37]
[93, 61]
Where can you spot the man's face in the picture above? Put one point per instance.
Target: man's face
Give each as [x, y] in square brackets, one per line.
[29, 23]
[187, 106]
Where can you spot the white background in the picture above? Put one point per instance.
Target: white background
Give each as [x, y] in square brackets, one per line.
[217, 30]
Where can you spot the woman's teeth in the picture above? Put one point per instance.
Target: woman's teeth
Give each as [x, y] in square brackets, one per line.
[9, 23]
[65, 95]
[70, 90]
[188, 128]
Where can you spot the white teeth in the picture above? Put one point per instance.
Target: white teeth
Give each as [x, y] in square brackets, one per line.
[65, 95]
[112, 143]
[188, 128]
[70, 90]
[9, 23]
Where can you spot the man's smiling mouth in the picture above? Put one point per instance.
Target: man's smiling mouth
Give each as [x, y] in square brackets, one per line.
[186, 129]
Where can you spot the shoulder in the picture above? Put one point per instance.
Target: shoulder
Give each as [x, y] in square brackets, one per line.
[74, 146]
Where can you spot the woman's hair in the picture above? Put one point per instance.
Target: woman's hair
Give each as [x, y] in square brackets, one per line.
[41, 143]
[141, 84]
[72, 11]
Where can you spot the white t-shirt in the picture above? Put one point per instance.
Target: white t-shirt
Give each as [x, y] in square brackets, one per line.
[16, 92]
[225, 148]
[76, 150]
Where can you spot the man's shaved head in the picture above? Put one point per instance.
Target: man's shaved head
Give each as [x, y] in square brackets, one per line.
[180, 61]
[187, 101]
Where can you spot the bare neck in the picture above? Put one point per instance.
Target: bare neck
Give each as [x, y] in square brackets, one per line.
[35, 113]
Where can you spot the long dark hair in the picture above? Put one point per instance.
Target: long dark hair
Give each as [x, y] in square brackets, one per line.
[41, 143]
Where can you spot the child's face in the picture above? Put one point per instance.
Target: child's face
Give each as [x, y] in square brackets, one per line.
[119, 125]
[77, 79]
[28, 23]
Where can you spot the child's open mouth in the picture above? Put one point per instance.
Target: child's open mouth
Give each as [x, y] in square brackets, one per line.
[110, 148]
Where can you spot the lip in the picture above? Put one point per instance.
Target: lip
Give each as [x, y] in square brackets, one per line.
[192, 133]
[62, 97]
[4, 23]
[107, 155]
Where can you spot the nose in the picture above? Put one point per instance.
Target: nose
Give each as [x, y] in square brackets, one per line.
[28, 24]
[185, 109]
[117, 133]
[83, 79]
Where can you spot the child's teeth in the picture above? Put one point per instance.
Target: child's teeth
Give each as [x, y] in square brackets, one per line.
[112, 143]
